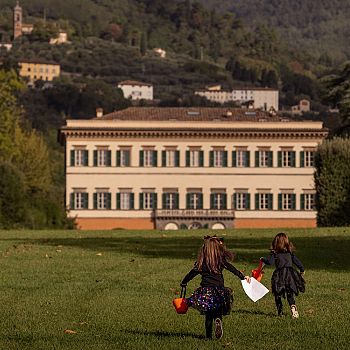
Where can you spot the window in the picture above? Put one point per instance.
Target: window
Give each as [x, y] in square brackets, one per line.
[148, 200]
[286, 201]
[218, 201]
[125, 200]
[170, 158]
[79, 157]
[102, 200]
[123, 157]
[286, 159]
[194, 200]
[148, 158]
[241, 201]
[218, 158]
[102, 157]
[307, 201]
[263, 158]
[194, 158]
[263, 201]
[170, 200]
[307, 158]
[79, 200]
[240, 158]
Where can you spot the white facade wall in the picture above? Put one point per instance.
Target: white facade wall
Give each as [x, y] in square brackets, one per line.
[137, 92]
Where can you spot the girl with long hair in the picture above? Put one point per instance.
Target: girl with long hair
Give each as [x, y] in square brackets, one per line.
[212, 299]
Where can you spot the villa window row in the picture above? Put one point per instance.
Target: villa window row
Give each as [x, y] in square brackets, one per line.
[218, 157]
[148, 200]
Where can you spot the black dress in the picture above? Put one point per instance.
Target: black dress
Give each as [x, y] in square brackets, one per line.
[285, 279]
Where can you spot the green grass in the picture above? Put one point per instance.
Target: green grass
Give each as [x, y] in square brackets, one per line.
[114, 289]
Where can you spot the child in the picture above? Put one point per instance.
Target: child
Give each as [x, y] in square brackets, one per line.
[212, 298]
[285, 280]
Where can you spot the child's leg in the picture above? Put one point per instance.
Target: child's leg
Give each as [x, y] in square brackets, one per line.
[279, 306]
[293, 307]
[209, 317]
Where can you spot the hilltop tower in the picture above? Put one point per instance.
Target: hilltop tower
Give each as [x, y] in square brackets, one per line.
[17, 21]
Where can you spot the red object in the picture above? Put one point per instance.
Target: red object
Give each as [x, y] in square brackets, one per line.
[180, 304]
[258, 272]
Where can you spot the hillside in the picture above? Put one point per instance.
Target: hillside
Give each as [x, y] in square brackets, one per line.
[318, 27]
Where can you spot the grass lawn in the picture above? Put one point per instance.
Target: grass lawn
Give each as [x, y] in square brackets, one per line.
[114, 289]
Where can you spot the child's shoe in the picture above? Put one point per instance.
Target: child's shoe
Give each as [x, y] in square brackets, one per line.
[218, 329]
[294, 311]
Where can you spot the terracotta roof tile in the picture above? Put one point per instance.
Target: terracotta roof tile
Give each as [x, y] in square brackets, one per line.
[133, 83]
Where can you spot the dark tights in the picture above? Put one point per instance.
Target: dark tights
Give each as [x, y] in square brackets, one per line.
[278, 301]
[210, 316]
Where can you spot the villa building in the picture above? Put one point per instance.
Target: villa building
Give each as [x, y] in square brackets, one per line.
[136, 90]
[174, 168]
[39, 70]
[258, 98]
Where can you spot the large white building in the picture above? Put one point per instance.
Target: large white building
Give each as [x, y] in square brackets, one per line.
[170, 168]
[259, 98]
[136, 90]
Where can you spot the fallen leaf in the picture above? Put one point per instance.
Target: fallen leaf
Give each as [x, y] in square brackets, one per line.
[132, 260]
[58, 250]
[341, 289]
[69, 331]
[99, 254]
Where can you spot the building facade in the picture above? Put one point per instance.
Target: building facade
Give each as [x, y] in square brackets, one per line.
[260, 98]
[136, 90]
[36, 70]
[174, 168]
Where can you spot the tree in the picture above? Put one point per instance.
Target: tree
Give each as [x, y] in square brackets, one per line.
[143, 44]
[332, 182]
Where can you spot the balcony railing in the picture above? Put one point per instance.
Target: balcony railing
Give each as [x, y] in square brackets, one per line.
[194, 213]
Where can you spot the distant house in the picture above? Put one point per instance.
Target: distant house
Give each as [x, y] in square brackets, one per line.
[258, 98]
[39, 70]
[7, 46]
[62, 38]
[160, 52]
[302, 107]
[136, 90]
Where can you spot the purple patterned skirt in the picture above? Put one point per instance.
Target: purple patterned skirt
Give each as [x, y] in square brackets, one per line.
[207, 299]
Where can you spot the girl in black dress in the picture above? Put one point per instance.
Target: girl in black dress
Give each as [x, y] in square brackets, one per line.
[212, 298]
[286, 281]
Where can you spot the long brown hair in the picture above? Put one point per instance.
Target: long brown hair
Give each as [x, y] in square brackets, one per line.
[281, 244]
[213, 254]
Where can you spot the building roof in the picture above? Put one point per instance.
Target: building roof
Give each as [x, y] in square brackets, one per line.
[191, 114]
[133, 83]
[238, 89]
[37, 61]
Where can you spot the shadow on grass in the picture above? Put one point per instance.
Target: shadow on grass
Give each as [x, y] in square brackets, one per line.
[249, 312]
[317, 253]
[160, 334]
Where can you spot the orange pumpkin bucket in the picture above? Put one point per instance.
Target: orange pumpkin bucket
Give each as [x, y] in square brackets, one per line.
[258, 272]
[180, 304]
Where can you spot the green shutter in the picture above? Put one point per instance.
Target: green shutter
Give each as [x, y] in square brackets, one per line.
[280, 201]
[177, 158]
[86, 201]
[211, 158]
[234, 158]
[72, 157]
[132, 200]
[212, 196]
[293, 201]
[225, 159]
[257, 206]
[72, 201]
[109, 158]
[302, 201]
[270, 159]
[201, 158]
[279, 155]
[163, 158]
[200, 201]
[141, 159]
[176, 201]
[247, 201]
[257, 159]
[224, 200]
[127, 157]
[302, 159]
[164, 200]
[247, 159]
[141, 201]
[187, 158]
[95, 157]
[155, 158]
[109, 201]
[86, 158]
[117, 161]
[155, 201]
[95, 200]
[270, 204]
[188, 201]
[118, 201]
[293, 159]
[235, 201]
